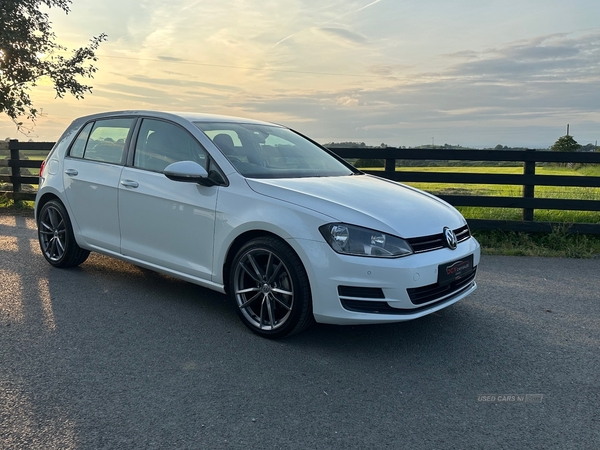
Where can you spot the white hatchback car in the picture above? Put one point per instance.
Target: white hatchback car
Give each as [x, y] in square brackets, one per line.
[290, 231]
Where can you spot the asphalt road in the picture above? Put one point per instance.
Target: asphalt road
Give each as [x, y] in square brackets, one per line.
[110, 356]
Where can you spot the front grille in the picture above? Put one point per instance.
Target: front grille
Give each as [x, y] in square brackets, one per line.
[462, 233]
[432, 292]
[437, 241]
[360, 292]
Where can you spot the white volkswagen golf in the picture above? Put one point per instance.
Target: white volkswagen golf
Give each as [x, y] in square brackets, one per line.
[288, 230]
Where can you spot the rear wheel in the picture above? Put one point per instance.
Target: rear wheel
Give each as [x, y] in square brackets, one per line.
[55, 234]
[269, 288]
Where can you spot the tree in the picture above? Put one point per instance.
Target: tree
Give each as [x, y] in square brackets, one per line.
[28, 52]
[365, 162]
[565, 144]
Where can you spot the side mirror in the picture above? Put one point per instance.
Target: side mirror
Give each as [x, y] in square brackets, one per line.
[188, 172]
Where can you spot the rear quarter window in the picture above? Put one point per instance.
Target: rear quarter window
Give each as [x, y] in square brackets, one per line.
[78, 146]
[102, 140]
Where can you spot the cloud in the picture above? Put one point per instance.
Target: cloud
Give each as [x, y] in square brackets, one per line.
[169, 58]
[347, 100]
[552, 57]
[520, 93]
[321, 25]
[182, 83]
[343, 35]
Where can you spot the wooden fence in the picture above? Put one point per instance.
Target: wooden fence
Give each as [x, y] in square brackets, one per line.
[528, 180]
[17, 159]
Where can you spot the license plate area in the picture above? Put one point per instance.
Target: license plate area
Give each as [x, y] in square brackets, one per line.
[455, 270]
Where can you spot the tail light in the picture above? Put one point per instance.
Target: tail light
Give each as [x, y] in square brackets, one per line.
[42, 167]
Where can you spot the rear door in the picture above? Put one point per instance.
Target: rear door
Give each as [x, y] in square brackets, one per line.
[92, 171]
[164, 222]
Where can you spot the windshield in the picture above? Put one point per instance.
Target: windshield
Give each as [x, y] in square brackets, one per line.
[265, 151]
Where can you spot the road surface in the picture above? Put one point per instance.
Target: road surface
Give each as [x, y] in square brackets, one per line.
[110, 356]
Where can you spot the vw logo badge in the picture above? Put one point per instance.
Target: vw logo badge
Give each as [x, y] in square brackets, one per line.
[450, 238]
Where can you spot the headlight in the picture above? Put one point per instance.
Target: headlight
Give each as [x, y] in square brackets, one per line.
[358, 241]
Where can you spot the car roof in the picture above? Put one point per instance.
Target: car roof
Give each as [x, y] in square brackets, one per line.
[189, 116]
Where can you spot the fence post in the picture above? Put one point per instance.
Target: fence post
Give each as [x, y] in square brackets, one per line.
[528, 188]
[13, 146]
[389, 168]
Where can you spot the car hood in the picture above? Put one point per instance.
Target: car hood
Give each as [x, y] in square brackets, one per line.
[366, 201]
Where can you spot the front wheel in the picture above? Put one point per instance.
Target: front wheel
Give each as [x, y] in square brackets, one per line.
[55, 234]
[270, 289]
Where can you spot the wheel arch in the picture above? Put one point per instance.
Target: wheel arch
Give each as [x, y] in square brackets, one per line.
[239, 242]
[45, 198]
[52, 195]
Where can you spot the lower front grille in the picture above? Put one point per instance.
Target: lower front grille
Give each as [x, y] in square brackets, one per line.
[368, 306]
[360, 292]
[432, 292]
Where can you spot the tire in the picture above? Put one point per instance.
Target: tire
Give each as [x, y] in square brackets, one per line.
[56, 238]
[269, 288]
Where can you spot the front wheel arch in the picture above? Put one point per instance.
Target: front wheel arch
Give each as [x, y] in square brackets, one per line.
[235, 246]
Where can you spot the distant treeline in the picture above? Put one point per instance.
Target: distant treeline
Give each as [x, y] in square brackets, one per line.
[445, 146]
[379, 163]
[374, 163]
[584, 148]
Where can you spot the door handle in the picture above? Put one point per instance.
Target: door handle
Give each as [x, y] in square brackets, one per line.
[129, 183]
[71, 172]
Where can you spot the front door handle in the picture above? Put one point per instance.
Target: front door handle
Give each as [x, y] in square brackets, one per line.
[71, 172]
[129, 183]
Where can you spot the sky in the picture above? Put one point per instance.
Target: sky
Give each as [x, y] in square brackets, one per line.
[475, 73]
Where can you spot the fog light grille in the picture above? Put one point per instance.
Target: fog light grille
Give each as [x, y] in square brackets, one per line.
[360, 292]
[368, 307]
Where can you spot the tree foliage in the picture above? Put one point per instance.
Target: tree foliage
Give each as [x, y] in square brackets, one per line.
[28, 52]
[366, 162]
[565, 144]
[346, 145]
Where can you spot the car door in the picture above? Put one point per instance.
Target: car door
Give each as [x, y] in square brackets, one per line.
[164, 222]
[92, 171]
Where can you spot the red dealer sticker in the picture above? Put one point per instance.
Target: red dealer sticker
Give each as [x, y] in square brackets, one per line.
[455, 270]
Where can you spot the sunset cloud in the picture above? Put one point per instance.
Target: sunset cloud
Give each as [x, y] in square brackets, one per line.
[470, 73]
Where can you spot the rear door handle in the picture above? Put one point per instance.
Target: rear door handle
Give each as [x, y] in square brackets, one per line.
[71, 172]
[129, 183]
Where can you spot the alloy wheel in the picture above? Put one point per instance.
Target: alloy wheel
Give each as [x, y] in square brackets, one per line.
[53, 234]
[263, 288]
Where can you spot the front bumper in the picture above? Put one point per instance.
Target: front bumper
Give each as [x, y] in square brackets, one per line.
[362, 290]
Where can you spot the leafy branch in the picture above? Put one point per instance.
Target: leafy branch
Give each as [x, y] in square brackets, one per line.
[29, 51]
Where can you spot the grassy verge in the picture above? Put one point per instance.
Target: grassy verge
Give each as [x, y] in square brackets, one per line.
[559, 243]
[7, 206]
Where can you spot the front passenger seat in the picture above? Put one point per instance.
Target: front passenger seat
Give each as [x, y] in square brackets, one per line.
[225, 143]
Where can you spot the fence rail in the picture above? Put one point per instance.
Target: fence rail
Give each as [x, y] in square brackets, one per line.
[18, 159]
[18, 151]
[528, 180]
